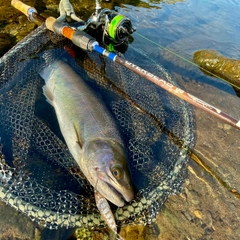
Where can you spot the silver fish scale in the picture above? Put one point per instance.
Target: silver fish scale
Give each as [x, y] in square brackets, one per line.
[38, 175]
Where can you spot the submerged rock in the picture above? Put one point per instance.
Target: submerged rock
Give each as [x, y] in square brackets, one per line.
[219, 65]
[6, 42]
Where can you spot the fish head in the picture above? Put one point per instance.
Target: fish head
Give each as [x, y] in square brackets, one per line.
[104, 163]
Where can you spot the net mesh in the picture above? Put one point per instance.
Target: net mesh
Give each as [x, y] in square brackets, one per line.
[38, 175]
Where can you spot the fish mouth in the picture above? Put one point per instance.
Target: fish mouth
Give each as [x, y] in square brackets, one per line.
[111, 190]
[114, 191]
[128, 197]
[124, 196]
[111, 194]
[120, 195]
[128, 194]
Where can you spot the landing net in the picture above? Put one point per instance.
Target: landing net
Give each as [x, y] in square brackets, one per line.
[38, 175]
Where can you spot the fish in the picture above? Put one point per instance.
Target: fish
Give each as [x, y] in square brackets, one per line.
[90, 132]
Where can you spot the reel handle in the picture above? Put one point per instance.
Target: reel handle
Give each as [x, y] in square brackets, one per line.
[25, 9]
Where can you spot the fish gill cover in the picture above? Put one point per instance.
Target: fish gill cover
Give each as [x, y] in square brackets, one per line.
[38, 175]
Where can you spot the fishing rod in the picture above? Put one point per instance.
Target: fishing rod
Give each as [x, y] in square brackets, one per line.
[121, 29]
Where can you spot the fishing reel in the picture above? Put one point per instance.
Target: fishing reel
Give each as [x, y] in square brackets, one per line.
[110, 29]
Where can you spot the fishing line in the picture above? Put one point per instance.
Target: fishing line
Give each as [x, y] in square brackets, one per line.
[186, 60]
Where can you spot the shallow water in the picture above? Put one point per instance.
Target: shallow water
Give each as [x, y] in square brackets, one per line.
[208, 207]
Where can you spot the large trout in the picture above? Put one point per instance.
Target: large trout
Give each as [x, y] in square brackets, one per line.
[89, 131]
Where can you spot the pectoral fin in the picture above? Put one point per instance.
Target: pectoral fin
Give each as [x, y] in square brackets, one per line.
[48, 94]
[78, 137]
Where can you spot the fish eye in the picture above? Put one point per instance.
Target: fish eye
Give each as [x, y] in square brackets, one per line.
[117, 172]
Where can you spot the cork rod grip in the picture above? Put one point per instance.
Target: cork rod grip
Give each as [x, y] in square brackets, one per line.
[50, 22]
[21, 6]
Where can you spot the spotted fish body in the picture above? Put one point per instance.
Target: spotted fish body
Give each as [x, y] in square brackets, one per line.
[89, 131]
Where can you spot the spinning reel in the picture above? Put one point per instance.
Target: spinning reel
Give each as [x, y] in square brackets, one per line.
[111, 29]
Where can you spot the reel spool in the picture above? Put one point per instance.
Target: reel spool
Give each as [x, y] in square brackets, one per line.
[116, 26]
[110, 29]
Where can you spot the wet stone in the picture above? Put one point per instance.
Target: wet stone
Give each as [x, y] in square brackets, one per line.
[226, 127]
[16, 226]
[6, 42]
[22, 19]
[198, 214]
[151, 231]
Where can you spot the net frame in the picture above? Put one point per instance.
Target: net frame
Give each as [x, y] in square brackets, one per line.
[157, 129]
